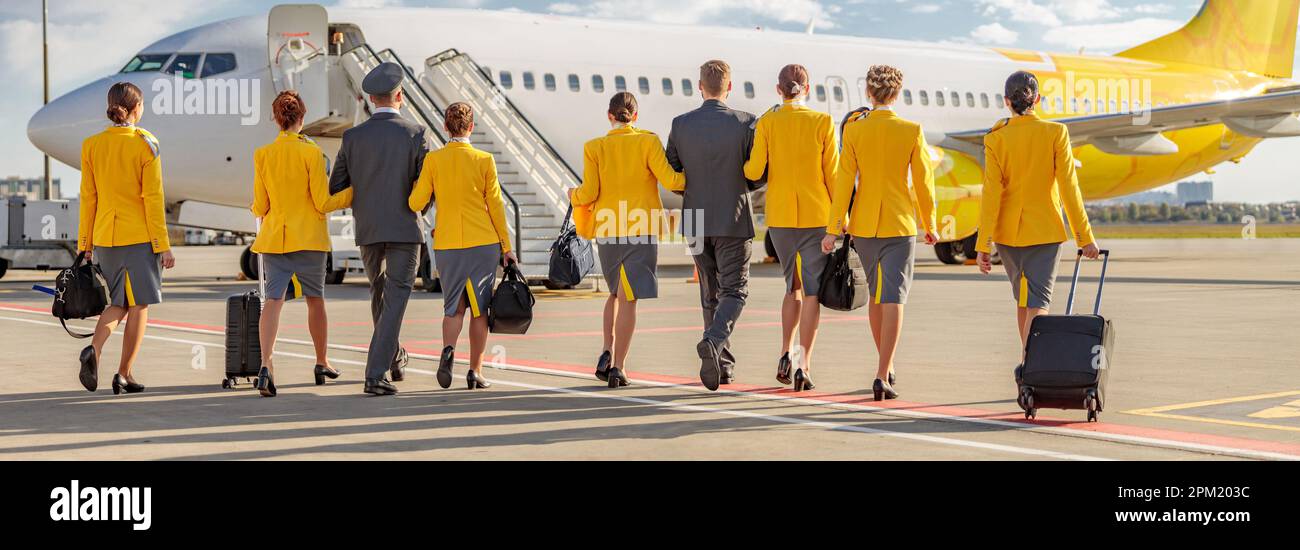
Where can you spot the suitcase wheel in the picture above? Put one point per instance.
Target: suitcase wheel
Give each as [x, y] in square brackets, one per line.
[229, 383]
[1092, 416]
[1026, 402]
[1091, 405]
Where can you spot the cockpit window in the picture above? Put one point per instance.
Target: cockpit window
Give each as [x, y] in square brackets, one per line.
[185, 64]
[147, 63]
[217, 63]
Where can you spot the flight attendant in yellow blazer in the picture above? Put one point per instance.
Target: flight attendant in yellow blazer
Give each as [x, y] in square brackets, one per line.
[796, 147]
[621, 174]
[1029, 175]
[291, 196]
[880, 150]
[470, 240]
[123, 227]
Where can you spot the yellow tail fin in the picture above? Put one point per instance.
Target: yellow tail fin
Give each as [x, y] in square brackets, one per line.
[1251, 35]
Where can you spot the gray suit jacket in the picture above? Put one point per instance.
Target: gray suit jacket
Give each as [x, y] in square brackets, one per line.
[711, 144]
[380, 159]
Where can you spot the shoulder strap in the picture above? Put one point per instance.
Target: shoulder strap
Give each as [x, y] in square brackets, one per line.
[1000, 125]
[853, 116]
[74, 334]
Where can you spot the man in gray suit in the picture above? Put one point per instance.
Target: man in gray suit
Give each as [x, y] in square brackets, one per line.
[711, 145]
[380, 159]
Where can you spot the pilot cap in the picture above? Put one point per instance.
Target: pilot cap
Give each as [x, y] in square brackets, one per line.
[385, 79]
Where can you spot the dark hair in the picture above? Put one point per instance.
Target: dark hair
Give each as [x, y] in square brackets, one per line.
[459, 117]
[1021, 91]
[123, 98]
[793, 81]
[288, 109]
[623, 107]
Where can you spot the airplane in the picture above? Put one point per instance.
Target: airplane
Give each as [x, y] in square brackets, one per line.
[1147, 116]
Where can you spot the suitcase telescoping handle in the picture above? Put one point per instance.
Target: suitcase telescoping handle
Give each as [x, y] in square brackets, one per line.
[1074, 282]
[261, 268]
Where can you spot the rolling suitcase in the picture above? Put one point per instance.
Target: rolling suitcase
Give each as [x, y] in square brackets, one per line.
[243, 342]
[1067, 357]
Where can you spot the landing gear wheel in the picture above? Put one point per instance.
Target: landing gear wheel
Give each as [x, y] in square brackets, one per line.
[552, 285]
[4, 267]
[768, 247]
[947, 253]
[248, 263]
[428, 282]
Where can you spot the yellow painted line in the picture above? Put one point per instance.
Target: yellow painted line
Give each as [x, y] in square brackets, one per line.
[1163, 411]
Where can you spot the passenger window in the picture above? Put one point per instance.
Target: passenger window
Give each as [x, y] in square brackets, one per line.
[687, 89]
[997, 98]
[925, 98]
[956, 99]
[549, 80]
[821, 93]
[507, 81]
[1060, 105]
[643, 84]
[984, 100]
[938, 99]
[1087, 105]
[1074, 105]
[837, 93]
[1113, 107]
[749, 90]
[574, 84]
[970, 99]
[597, 83]
[907, 97]
[620, 84]
[217, 63]
[668, 86]
[529, 81]
[186, 65]
[146, 63]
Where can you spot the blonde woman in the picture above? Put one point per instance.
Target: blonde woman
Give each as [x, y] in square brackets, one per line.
[796, 147]
[885, 212]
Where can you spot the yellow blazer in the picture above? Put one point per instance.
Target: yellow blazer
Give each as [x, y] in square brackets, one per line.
[619, 176]
[463, 182]
[796, 146]
[878, 152]
[291, 195]
[1028, 170]
[121, 190]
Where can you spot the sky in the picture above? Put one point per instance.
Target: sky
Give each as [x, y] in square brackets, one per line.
[92, 38]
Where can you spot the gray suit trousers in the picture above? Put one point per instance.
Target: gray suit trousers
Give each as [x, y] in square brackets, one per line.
[723, 263]
[391, 268]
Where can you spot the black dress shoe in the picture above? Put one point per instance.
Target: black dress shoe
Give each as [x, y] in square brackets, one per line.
[475, 381]
[121, 385]
[380, 386]
[602, 366]
[264, 383]
[892, 380]
[89, 369]
[881, 390]
[728, 374]
[803, 380]
[710, 370]
[617, 378]
[321, 372]
[398, 370]
[445, 362]
[783, 368]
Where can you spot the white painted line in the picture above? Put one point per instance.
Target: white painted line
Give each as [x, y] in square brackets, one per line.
[682, 407]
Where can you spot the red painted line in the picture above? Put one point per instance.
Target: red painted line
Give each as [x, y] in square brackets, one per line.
[946, 410]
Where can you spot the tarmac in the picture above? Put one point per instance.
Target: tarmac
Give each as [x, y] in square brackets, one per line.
[1204, 367]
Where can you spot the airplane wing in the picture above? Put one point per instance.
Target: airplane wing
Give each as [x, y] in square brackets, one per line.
[1269, 115]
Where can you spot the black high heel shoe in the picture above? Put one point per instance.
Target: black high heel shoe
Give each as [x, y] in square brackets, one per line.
[892, 380]
[322, 372]
[444, 366]
[883, 391]
[783, 369]
[602, 367]
[265, 384]
[803, 381]
[89, 369]
[475, 381]
[121, 385]
[617, 378]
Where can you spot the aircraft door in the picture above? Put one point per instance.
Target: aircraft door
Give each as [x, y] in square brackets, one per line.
[837, 97]
[297, 42]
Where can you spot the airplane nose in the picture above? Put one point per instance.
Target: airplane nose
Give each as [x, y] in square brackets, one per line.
[58, 129]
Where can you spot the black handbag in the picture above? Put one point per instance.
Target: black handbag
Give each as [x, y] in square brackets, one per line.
[844, 283]
[80, 291]
[511, 309]
[571, 256]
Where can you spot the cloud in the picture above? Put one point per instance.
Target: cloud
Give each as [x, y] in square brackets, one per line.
[1111, 36]
[563, 8]
[925, 8]
[1020, 11]
[689, 12]
[994, 33]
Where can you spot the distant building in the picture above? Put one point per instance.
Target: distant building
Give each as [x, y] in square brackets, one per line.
[1146, 197]
[1200, 192]
[30, 188]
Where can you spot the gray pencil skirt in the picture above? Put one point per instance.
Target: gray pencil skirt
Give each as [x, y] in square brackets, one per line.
[1032, 271]
[889, 262]
[295, 274]
[133, 272]
[467, 274]
[800, 252]
[630, 268]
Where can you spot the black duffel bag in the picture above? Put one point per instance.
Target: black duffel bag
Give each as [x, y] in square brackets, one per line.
[511, 308]
[80, 291]
[571, 256]
[844, 283]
